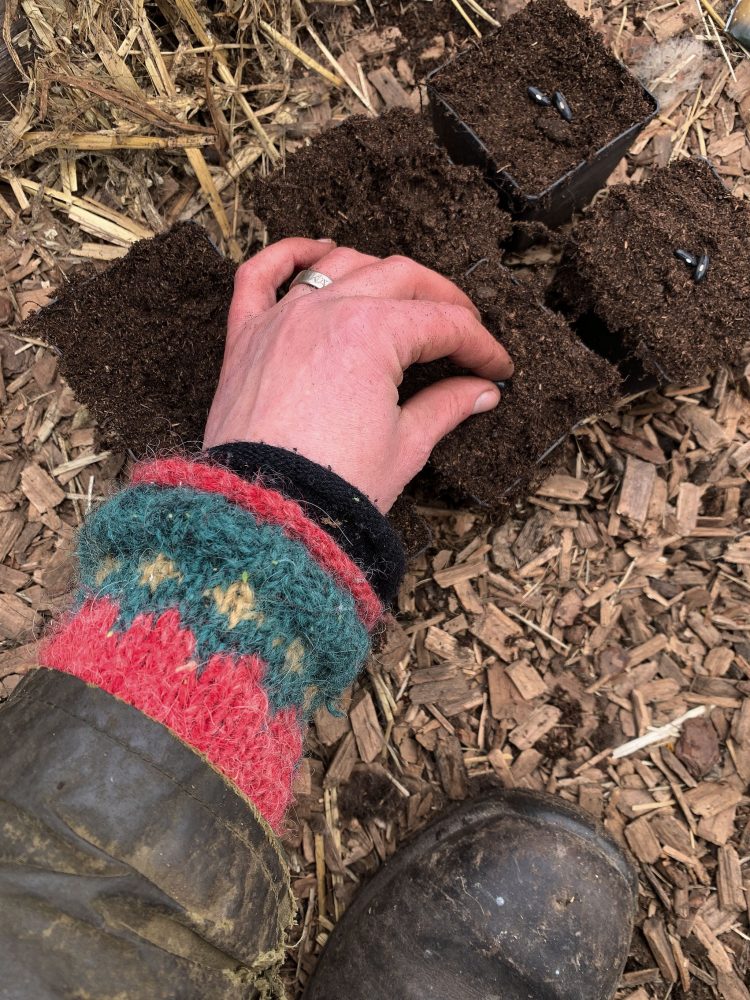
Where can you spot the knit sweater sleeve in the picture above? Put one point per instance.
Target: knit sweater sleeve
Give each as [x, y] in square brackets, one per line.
[224, 609]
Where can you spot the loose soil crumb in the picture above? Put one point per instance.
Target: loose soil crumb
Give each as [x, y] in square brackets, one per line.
[561, 740]
[494, 458]
[142, 343]
[384, 187]
[369, 794]
[620, 270]
[546, 45]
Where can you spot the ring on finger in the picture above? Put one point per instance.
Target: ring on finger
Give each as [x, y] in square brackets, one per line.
[315, 279]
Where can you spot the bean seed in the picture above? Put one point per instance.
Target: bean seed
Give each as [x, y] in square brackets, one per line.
[701, 268]
[539, 97]
[686, 257]
[561, 106]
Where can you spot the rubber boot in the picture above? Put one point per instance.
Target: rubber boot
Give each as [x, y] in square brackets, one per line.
[514, 897]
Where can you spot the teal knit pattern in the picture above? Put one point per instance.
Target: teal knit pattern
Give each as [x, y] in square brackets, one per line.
[241, 586]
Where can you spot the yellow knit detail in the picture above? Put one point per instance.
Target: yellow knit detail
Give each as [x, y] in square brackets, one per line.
[294, 656]
[237, 602]
[109, 565]
[157, 571]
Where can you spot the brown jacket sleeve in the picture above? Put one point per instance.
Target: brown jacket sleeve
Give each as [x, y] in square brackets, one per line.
[129, 868]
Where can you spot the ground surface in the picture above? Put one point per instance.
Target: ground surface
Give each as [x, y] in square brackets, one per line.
[613, 601]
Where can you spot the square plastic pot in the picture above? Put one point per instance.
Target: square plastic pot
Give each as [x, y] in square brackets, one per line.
[567, 194]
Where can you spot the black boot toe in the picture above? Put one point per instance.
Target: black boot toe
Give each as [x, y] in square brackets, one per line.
[515, 897]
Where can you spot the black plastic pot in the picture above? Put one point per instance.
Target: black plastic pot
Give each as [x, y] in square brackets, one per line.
[556, 203]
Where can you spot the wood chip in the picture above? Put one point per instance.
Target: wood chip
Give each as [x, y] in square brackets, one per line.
[366, 727]
[40, 488]
[636, 490]
[16, 617]
[529, 682]
[536, 726]
[561, 487]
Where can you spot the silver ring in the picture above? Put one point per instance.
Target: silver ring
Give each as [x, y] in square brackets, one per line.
[312, 278]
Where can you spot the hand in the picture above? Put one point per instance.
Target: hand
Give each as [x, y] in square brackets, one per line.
[318, 372]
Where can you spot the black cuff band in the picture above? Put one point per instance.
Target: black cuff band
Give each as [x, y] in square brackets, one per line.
[354, 523]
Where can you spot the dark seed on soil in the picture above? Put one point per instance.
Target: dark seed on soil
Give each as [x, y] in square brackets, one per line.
[701, 268]
[539, 97]
[649, 308]
[686, 257]
[561, 106]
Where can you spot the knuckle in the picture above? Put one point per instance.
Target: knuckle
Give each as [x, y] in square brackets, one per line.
[344, 259]
[350, 313]
[421, 448]
[398, 262]
[455, 409]
[297, 309]
[246, 266]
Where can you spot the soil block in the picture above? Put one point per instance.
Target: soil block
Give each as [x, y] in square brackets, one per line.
[545, 166]
[630, 296]
[142, 342]
[384, 187]
[497, 457]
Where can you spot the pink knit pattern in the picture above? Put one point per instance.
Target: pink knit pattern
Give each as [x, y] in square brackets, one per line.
[223, 713]
[270, 506]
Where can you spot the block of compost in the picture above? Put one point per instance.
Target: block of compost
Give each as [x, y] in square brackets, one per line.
[543, 107]
[658, 273]
[383, 186]
[141, 343]
[496, 458]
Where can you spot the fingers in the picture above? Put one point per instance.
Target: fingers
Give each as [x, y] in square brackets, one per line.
[256, 280]
[439, 409]
[337, 264]
[401, 278]
[425, 331]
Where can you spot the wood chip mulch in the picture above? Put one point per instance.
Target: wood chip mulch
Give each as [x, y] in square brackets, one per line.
[596, 645]
[596, 648]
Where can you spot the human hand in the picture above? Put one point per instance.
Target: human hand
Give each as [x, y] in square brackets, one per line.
[318, 372]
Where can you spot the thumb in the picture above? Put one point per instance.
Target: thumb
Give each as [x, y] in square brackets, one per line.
[256, 281]
[434, 412]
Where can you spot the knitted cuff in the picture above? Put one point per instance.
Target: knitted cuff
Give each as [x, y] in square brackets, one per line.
[348, 516]
[217, 608]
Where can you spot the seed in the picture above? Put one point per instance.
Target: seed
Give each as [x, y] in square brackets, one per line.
[539, 97]
[701, 267]
[561, 106]
[686, 257]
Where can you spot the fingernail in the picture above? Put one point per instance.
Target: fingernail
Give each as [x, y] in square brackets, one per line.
[487, 400]
[324, 240]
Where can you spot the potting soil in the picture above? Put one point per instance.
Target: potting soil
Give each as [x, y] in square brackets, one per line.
[621, 270]
[383, 186]
[142, 343]
[548, 46]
